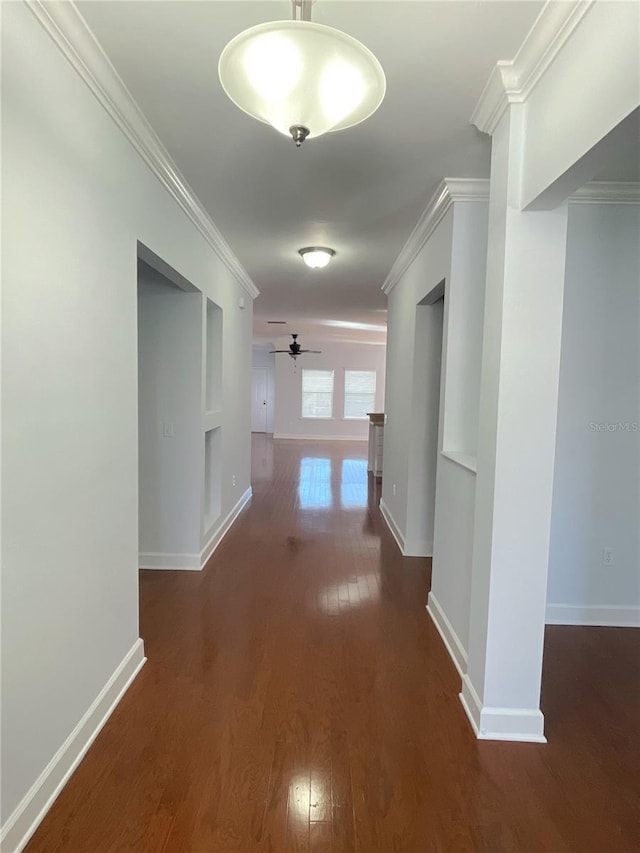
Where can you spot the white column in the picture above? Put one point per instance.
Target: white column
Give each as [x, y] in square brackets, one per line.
[516, 446]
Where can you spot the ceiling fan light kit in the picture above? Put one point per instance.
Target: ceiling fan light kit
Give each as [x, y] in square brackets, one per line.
[316, 257]
[304, 79]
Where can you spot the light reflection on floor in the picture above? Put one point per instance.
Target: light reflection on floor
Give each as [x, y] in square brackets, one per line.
[357, 591]
[308, 799]
[315, 486]
[354, 485]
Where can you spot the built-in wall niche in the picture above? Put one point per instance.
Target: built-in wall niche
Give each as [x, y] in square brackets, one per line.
[213, 358]
[463, 359]
[212, 477]
[169, 416]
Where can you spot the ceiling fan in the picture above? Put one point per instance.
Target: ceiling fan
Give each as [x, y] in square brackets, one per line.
[294, 348]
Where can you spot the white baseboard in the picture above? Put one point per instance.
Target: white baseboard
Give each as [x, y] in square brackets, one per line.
[408, 547]
[391, 524]
[169, 562]
[418, 547]
[320, 437]
[514, 724]
[223, 528]
[195, 562]
[609, 615]
[27, 816]
[457, 651]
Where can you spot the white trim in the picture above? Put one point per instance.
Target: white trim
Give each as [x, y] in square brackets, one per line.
[493, 101]
[212, 420]
[607, 192]
[68, 29]
[393, 527]
[223, 529]
[457, 651]
[287, 435]
[27, 816]
[465, 460]
[512, 81]
[169, 562]
[449, 191]
[195, 562]
[607, 615]
[418, 547]
[408, 547]
[512, 724]
[471, 703]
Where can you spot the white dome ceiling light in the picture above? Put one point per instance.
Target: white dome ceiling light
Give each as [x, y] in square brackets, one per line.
[316, 257]
[302, 78]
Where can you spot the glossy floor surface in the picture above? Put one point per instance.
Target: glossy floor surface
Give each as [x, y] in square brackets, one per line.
[298, 698]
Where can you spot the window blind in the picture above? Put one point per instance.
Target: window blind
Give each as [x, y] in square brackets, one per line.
[359, 393]
[317, 393]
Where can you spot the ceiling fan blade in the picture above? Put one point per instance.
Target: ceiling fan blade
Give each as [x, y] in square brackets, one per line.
[294, 349]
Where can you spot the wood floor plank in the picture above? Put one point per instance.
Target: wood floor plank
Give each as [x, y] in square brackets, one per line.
[298, 697]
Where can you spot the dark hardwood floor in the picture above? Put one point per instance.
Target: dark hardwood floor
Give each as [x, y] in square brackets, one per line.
[298, 698]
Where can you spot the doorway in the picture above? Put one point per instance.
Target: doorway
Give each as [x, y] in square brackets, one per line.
[259, 400]
[425, 421]
[170, 439]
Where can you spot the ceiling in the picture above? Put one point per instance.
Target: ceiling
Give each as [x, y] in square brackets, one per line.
[360, 190]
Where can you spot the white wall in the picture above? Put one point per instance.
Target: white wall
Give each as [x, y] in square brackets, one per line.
[431, 506]
[423, 443]
[432, 510]
[404, 429]
[565, 147]
[338, 357]
[76, 198]
[458, 436]
[596, 501]
[463, 343]
[169, 395]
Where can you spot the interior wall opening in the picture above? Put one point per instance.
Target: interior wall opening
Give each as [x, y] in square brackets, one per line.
[425, 424]
[169, 414]
[593, 586]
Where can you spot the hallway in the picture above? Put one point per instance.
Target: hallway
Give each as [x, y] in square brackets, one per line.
[297, 697]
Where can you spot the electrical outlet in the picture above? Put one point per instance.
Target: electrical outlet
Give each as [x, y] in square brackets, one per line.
[233, 480]
[393, 490]
[607, 557]
[167, 430]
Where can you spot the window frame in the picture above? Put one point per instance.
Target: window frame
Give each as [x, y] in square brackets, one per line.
[306, 417]
[362, 417]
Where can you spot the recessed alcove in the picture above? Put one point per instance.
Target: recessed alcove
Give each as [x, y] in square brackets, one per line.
[169, 416]
[212, 477]
[463, 359]
[213, 357]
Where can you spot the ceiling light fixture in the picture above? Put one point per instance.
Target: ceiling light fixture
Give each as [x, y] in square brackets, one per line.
[316, 257]
[302, 78]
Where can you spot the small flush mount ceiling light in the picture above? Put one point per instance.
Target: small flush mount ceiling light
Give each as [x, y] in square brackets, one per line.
[302, 78]
[316, 257]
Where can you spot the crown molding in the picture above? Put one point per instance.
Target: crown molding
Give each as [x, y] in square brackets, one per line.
[70, 32]
[512, 81]
[449, 191]
[453, 190]
[607, 192]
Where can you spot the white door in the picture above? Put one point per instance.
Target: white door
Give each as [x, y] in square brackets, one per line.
[259, 400]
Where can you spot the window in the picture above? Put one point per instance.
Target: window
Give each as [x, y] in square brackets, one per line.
[317, 393]
[359, 393]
